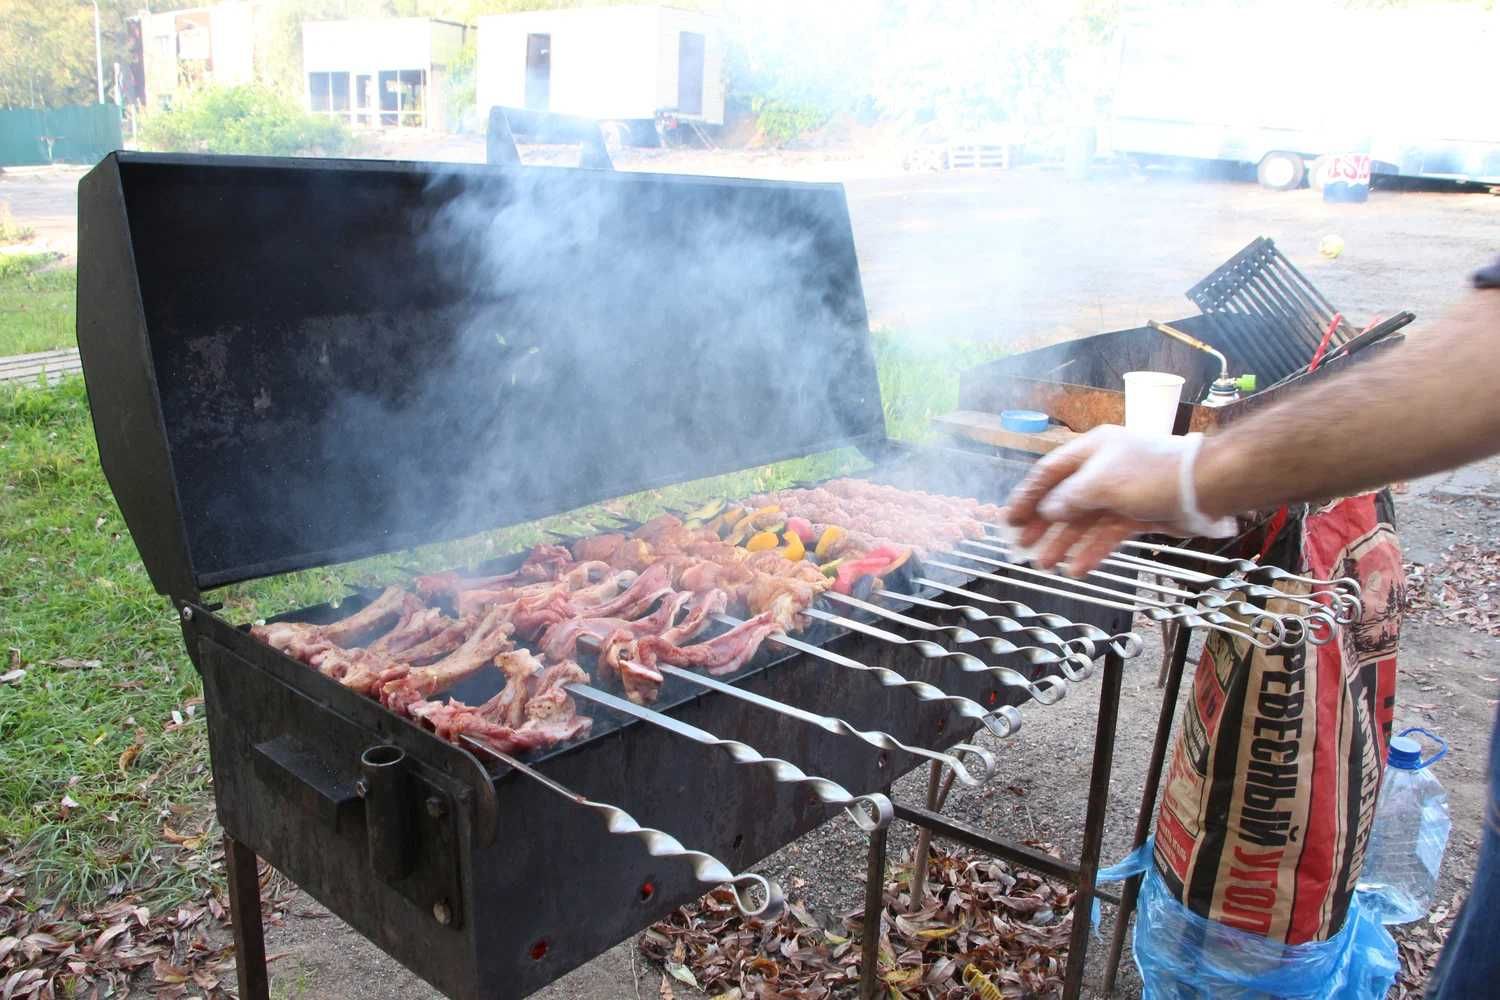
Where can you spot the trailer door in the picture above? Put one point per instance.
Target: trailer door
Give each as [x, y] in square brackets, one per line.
[690, 73]
[538, 72]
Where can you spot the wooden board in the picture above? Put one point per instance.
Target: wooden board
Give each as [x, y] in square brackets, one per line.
[986, 428]
[27, 367]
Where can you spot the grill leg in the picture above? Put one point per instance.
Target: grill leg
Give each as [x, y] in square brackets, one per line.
[1173, 666]
[1093, 824]
[869, 978]
[244, 913]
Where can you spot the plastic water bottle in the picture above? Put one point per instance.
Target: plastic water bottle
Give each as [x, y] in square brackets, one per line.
[1409, 833]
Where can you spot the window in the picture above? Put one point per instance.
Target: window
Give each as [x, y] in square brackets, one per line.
[319, 96]
[339, 91]
[690, 73]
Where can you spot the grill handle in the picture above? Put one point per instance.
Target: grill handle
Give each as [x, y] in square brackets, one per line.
[383, 786]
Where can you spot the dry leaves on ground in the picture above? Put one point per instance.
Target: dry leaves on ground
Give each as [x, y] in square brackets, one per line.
[1011, 926]
[1419, 945]
[1464, 588]
[49, 951]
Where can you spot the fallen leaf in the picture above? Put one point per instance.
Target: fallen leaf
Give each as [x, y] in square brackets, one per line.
[682, 974]
[68, 663]
[67, 805]
[12, 676]
[666, 989]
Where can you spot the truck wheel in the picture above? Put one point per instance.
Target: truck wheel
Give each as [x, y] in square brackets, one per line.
[1280, 171]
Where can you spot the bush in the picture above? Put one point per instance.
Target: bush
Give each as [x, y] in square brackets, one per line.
[782, 121]
[244, 119]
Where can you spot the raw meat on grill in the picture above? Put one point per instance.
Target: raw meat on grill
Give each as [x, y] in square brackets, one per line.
[533, 711]
[560, 642]
[489, 638]
[653, 583]
[541, 563]
[359, 669]
[376, 617]
[634, 661]
[305, 640]
[413, 630]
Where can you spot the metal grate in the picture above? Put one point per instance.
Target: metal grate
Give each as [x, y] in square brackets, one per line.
[1265, 312]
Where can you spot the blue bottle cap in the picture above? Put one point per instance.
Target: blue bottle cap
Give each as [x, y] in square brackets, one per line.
[1405, 753]
[1024, 421]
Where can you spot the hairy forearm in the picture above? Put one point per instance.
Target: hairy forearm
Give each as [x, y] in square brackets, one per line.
[1430, 404]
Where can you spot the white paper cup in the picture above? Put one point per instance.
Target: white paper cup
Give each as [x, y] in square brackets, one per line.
[1151, 401]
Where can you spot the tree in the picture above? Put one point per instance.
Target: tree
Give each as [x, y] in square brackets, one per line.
[46, 53]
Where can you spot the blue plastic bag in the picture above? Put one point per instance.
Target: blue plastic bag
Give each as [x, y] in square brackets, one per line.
[1181, 955]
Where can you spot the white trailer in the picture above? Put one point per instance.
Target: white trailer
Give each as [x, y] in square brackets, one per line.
[1278, 85]
[628, 67]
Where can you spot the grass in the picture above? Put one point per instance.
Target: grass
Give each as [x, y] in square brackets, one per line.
[92, 718]
[36, 304]
[10, 230]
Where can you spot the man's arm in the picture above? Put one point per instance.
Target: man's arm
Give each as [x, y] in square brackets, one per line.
[1431, 404]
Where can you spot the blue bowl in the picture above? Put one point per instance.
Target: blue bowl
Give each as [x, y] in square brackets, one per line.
[1024, 421]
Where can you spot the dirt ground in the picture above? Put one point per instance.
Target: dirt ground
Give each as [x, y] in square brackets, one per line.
[1027, 258]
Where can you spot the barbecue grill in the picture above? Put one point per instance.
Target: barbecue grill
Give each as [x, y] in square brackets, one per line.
[294, 363]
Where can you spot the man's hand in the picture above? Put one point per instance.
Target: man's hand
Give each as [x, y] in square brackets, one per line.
[1088, 496]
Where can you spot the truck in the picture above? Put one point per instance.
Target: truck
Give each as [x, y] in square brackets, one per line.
[1287, 86]
[637, 70]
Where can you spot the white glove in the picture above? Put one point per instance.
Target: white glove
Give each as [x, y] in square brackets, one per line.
[1111, 483]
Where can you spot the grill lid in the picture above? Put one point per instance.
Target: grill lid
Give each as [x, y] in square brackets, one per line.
[298, 362]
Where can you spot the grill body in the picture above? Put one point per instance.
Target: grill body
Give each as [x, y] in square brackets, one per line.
[261, 406]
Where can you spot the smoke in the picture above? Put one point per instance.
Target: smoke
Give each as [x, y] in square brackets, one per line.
[603, 333]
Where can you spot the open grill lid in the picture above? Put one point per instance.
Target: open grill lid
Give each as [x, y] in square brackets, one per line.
[297, 362]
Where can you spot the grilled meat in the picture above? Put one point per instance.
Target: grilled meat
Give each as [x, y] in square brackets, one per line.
[489, 638]
[560, 642]
[635, 661]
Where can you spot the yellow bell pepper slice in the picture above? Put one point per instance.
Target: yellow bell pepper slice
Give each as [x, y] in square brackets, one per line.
[830, 537]
[762, 541]
[794, 549]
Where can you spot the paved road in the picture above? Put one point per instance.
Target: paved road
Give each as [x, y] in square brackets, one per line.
[46, 199]
[1027, 257]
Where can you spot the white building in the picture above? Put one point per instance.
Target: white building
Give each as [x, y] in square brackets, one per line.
[199, 46]
[625, 64]
[380, 73]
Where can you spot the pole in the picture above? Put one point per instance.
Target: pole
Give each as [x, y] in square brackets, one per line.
[98, 55]
[1174, 662]
[1093, 823]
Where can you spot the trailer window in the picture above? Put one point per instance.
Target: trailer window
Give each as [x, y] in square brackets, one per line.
[538, 72]
[690, 73]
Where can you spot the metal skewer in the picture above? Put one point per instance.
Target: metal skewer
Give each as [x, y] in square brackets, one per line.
[1318, 626]
[1075, 665]
[1001, 723]
[1046, 690]
[1126, 644]
[708, 869]
[1084, 645]
[1183, 613]
[838, 727]
[1344, 606]
[1261, 622]
[869, 812]
[1346, 583]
